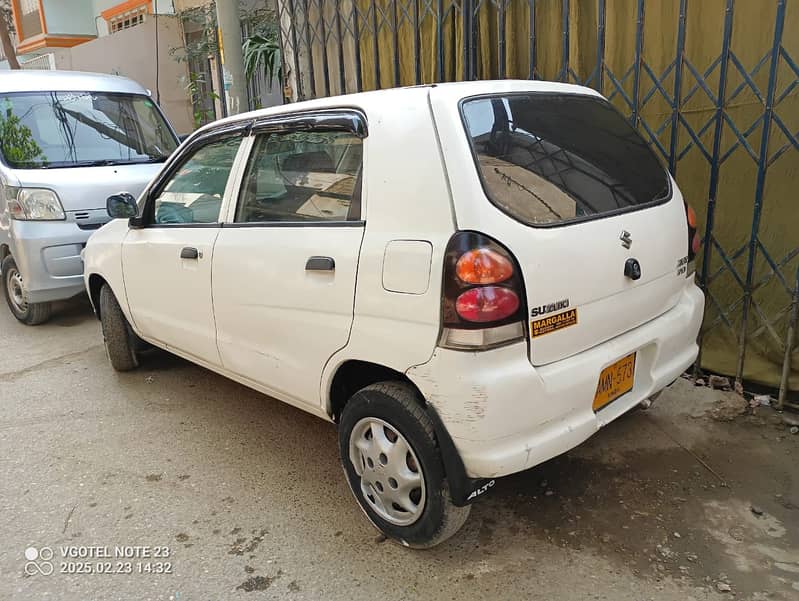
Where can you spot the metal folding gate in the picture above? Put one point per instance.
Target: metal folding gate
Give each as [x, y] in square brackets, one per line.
[727, 105]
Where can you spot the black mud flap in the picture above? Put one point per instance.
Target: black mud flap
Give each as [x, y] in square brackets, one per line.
[464, 490]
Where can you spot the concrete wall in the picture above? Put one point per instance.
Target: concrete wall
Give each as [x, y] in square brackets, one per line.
[57, 58]
[132, 53]
[63, 58]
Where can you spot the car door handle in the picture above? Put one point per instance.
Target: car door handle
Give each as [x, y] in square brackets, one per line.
[320, 264]
[189, 253]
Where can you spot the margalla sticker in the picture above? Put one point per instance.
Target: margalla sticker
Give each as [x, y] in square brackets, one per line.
[553, 323]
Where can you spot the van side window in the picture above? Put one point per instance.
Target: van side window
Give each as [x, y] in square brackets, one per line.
[302, 176]
[194, 192]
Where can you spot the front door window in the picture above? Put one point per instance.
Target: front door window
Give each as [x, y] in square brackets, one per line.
[194, 192]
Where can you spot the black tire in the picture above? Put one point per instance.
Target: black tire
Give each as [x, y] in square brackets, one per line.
[120, 341]
[31, 314]
[397, 404]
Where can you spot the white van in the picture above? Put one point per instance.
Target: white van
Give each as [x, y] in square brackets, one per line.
[67, 141]
[467, 278]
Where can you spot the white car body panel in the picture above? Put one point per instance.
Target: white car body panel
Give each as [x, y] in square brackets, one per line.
[286, 332]
[104, 256]
[406, 266]
[554, 260]
[404, 192]
[283, 326]
[180, 316]
[505, 416]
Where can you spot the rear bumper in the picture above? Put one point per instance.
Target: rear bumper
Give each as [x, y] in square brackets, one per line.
[505, 416]
[47, 254]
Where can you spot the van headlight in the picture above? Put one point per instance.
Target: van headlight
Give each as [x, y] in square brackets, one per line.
[34, 204]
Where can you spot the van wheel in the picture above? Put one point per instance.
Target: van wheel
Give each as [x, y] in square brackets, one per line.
[394, 468]
[31, 314]
[120, 341]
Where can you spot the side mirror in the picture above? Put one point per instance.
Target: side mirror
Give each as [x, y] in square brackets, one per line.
[121, 206]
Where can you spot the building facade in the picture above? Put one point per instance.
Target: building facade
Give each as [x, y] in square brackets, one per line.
[131, 38]
[146, 40]
[43, 26]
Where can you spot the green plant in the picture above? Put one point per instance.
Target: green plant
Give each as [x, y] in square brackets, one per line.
[17, 143]
[262, 51]
[203, 43]
[261, 46]
[194, 88]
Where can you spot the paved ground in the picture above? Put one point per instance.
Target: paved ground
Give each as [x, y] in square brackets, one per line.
[683, 501]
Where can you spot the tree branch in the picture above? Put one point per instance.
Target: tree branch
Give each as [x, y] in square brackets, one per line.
[5, 40]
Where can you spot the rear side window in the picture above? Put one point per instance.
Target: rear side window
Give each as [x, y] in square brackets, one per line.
[547, 159]
[302, 176]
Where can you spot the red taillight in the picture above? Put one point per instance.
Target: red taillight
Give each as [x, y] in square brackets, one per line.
[482, 300]
[483, 266]
[487, 304]
[696, 242]
[691, 216]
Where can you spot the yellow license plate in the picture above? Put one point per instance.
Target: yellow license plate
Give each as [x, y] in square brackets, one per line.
[614, 381]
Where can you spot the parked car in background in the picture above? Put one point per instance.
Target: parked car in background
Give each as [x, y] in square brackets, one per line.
[468, 279]
[67, 141]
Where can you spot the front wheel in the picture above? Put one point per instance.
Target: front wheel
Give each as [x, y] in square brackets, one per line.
[394, 468]
[120, 341]
[31, 314]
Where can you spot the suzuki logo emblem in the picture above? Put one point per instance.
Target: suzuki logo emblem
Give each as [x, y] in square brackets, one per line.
[626, 239]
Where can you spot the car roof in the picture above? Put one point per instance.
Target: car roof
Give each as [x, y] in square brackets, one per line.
[384, 98]
[66, 81]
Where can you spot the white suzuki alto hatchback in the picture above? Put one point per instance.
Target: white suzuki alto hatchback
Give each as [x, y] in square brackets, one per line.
[468, 278]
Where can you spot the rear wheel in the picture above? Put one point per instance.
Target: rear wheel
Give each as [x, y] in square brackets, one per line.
[120, 341]
[394, 468]
[14, 290]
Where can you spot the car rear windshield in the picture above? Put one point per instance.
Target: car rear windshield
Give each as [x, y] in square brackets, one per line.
[73, 129]
[547, 159]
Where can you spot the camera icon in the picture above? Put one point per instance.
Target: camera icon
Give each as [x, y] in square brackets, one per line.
[39, 561]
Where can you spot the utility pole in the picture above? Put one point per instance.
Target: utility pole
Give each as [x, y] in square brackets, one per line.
[5, 37]
[227, 16]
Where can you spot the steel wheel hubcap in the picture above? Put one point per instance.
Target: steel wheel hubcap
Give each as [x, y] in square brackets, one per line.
[16, 290]
[391, 476]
